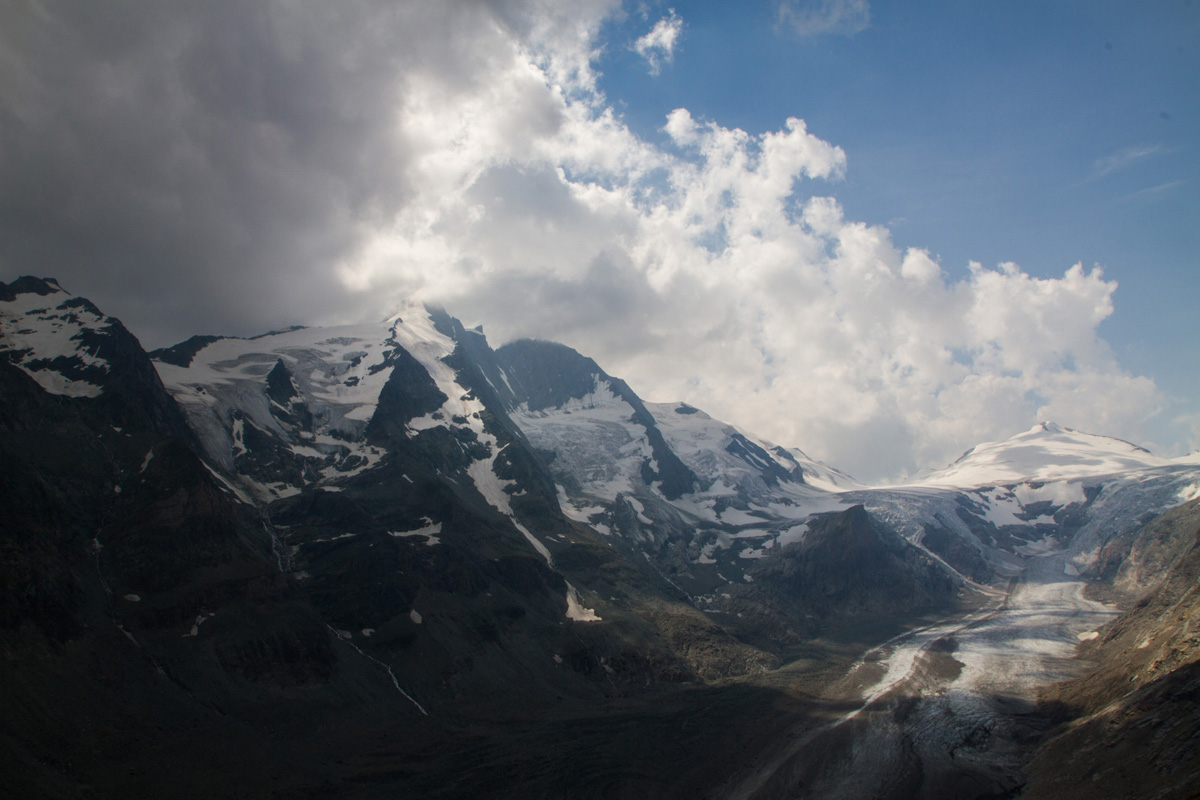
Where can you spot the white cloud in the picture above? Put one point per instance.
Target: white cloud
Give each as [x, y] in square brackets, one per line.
[1152, 193]
[817, 17]
[1189, 421]
[710, 273]
[462, 153]
[1124, 158]
[658, 45]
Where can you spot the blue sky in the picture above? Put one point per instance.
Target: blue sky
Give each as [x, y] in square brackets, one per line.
[1045, 133]
[769, 209]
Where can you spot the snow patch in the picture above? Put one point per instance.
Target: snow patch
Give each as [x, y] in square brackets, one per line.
[575, 608]
[1058, 493]
[200, 620]
[792, 535]
[580, 513]
[429, 531]
[639, 509]
[736, 516]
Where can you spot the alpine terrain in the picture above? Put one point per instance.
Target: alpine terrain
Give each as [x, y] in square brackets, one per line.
[388, 560]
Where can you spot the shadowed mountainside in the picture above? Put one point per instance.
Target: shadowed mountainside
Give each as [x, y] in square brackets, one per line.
[1132, 724]
[385, 558]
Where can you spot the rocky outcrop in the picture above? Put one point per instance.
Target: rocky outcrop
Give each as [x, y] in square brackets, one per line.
[846, 570]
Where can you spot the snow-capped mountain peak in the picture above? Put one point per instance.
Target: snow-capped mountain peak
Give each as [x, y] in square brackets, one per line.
[1047, 451]
[312, 391]
[53, 336]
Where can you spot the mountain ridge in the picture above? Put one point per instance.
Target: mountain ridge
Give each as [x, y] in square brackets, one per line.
[397, 521]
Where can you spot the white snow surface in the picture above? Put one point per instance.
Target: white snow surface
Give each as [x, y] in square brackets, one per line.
[320, 358]
[595, 439]
[35, 327]
[429, 531]
[598, 443]
[700, 442]
[1045, 452]
[575, 609]
[338, 373]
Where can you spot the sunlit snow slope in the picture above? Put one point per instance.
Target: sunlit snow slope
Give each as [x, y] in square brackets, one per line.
[1047, 452]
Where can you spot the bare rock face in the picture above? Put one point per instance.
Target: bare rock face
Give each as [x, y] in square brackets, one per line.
[846, 571]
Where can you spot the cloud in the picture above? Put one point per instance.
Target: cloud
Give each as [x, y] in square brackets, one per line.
[1152, 193]
[1124, 158]
[818, 17]
[658, 45]
[232, 168]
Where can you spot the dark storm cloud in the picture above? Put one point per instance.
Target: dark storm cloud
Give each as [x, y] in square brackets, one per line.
[229, 167]
[168, 158]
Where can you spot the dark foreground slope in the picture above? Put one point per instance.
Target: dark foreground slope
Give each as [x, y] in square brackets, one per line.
[149, 643]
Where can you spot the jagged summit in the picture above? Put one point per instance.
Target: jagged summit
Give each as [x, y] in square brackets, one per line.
[70, 348]
[27, 284]
[552, 381]
[548, 374]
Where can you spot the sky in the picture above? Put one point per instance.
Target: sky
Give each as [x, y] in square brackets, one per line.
[881, 233]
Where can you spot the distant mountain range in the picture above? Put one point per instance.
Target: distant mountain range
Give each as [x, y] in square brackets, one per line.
[274, 564]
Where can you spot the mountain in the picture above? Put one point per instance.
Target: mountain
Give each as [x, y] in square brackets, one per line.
[140, 603]
[350, 560]
[1133, 722]
[728, 503]
[1047, 490]
[1046, 452]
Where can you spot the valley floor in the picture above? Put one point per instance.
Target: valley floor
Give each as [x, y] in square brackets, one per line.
[946, 710]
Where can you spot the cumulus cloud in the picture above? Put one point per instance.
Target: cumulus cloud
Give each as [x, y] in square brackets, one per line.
[817, 17]
[658, 45]
[235, 167]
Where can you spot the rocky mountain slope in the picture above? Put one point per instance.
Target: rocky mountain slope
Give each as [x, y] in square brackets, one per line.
[1132, 725]
[276, 553]
[144, 616]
